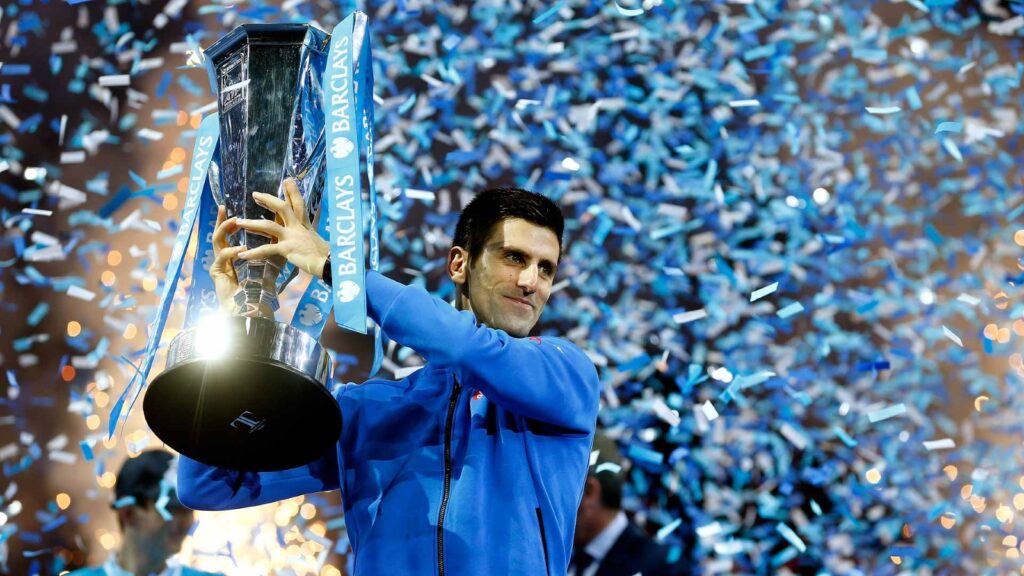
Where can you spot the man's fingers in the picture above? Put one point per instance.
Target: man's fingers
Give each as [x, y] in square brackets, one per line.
[228, 253]
[222, 263]
[294, 196]
[275, 205]
[220, 233]
[262, 227]
[262, 252]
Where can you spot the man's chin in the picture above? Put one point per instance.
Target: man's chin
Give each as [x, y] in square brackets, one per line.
[515, 329]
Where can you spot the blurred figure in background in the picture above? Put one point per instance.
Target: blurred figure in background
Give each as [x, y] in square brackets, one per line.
[153, 522]
[606, 542]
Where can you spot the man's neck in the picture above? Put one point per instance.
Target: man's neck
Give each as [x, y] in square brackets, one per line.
[461, 300]
[133, 559]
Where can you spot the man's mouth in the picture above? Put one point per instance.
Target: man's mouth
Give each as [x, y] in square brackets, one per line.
[520, 302]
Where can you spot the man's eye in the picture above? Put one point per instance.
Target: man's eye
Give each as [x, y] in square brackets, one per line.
[515, 258]
[547, 270]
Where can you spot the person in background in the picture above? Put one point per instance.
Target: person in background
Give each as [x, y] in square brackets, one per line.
[152, 520]
[606, 542]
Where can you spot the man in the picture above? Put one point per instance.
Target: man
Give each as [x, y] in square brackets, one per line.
[606, 543]
[153, 522]
[473, 464]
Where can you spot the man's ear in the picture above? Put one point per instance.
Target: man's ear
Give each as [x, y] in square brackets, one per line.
[592, 490]
[126, 516]
[458, 265]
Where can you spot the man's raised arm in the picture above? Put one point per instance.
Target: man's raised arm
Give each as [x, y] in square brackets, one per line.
[547, 379]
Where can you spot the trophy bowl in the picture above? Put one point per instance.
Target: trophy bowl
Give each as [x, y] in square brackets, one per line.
[245, 393]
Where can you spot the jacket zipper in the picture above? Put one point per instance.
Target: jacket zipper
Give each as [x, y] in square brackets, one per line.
[543, 540]
[447, 476]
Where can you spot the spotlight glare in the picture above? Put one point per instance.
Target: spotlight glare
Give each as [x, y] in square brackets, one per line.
[927, 297]
[722, 374]
[919, 46]
[213, 336]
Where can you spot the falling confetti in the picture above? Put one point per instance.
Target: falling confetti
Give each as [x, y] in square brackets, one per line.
[780, 220]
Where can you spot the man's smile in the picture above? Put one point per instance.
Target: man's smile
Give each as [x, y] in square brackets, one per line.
[525, 304]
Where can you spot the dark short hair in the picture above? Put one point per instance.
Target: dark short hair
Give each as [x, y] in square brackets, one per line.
[141, 477]
[495, 205]
[610, 479]
[611, 488]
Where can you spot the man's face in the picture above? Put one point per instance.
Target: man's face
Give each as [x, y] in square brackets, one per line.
[587, 524]
[509, 282]
[161, 537]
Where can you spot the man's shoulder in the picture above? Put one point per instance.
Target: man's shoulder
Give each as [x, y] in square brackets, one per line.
[634, 537]
[652, 556]
[562, 346]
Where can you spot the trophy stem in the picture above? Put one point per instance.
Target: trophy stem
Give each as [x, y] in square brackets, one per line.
[257, 286]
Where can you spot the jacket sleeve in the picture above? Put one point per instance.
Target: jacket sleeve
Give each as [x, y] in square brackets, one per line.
[205, 487]
[546, 379]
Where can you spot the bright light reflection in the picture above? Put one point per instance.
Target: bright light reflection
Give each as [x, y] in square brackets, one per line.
[918, 46]
[927, 297]
[722, 374]
[213, 336]
[248, 541]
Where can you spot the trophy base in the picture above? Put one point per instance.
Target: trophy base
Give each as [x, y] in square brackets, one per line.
[247, 394]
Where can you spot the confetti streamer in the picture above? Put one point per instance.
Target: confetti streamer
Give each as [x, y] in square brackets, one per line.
[690, 316]
[883, 109]
[791, 536]
[886, 413]
[762, 292]
[952, 336]
[709, 410]
[943, 444]
[790, 310]
[628, 12]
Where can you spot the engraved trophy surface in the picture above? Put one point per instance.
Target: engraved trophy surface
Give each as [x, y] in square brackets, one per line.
[244, 391]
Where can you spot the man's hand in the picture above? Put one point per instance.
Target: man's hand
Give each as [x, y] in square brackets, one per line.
[294, 236]
[222, 271]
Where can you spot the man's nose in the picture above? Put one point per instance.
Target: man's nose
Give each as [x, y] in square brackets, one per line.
[528, 278]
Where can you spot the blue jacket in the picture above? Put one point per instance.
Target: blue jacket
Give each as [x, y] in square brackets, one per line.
[473, 465]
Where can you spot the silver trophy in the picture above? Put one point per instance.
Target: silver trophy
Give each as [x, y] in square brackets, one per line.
[246, 392]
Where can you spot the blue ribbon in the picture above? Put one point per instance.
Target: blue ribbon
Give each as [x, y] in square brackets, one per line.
[348, 129]
[316, 302]
[364, 91]
[202, 154]
[202, 297]
[343, 184]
